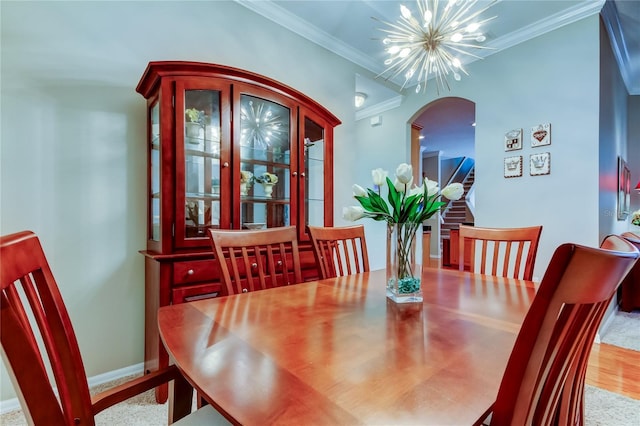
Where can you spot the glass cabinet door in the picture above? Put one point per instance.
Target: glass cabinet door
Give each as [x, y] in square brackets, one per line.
[265, 163]
[200, 114]
[154, 173]
[314, 149]
[202, 161]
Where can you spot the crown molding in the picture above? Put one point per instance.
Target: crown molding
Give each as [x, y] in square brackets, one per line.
[538, 28]
[611, 21]
[380, 107]
[283, 17]
[280, 16]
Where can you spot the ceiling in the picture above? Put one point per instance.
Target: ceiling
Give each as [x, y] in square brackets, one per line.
[351, 29]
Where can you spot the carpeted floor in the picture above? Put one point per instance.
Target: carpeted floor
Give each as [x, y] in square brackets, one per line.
[602, 408]
[624, 331]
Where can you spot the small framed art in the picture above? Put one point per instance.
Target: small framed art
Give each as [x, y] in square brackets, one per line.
[541, 135]
[624, 189]
[513, 166]
[513, 140]
[540, 164]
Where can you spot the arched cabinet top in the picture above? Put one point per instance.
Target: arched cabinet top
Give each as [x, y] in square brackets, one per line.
[156, 71]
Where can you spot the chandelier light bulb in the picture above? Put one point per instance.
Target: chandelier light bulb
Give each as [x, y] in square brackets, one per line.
[427, 17]
[406, 13]
[472, 27]
[434, 48]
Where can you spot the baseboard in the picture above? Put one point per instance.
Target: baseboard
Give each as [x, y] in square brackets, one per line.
[13, 403]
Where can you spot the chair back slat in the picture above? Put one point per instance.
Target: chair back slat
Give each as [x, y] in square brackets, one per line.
[543, 382]
[339, 251]
[506, 252]
[38, 339]
[256, 259]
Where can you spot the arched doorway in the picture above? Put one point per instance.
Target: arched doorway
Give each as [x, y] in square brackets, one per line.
[443, 149]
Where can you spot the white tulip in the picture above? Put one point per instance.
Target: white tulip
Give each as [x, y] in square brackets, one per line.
[404, 173]
[379, 176]
[353, 213]
[432, 186]
[416, 190]
[453, 191]
[400, 186]
[359, 191]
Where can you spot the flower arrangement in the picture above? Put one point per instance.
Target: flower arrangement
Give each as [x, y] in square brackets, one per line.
[635, 218]
[404, 204]
[195, 116]
[267, 178]
[246, 176]
[404, 210]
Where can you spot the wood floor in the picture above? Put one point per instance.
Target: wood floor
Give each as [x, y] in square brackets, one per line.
[610, 367]
[615, 369]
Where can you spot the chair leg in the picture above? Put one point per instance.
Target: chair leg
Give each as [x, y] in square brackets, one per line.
[181, 399]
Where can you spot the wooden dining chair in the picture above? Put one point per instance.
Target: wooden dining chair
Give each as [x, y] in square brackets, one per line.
[257, 259]
[42, 354]
[630, 287]
[503, 252]
[543, 383]
[339, 251]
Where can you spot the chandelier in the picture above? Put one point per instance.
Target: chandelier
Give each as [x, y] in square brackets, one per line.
[431, 44]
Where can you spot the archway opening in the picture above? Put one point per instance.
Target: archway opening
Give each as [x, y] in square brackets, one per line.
[443, 149]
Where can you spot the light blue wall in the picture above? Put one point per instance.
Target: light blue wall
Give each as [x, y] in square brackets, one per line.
[613, 139]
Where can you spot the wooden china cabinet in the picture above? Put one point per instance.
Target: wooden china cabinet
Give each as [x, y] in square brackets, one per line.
[214, 134]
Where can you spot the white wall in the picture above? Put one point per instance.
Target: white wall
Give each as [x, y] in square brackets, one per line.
[73, 154]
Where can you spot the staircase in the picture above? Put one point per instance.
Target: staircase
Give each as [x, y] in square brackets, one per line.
[457, 211]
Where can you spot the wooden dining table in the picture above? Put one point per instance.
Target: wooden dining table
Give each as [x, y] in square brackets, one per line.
[338, 352]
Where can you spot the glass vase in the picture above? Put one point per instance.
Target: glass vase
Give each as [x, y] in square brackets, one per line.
[403, 273]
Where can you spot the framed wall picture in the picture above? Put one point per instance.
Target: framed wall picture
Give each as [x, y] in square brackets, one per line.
[541, 135]
[624, 189]
[513, 166]
[540, 164]
[513, 140]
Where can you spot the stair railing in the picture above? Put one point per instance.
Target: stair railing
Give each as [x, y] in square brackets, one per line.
[459, 175]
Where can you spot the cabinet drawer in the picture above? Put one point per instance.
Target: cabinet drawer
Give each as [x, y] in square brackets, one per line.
[194, 271]
[195, 292]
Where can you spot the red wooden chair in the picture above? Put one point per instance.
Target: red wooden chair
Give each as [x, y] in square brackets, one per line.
[37, 337]
[505, 252]
[256, 260]
[339, 251]
[543, 383]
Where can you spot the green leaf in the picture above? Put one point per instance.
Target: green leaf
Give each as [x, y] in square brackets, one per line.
[395, 200]
[378, 202]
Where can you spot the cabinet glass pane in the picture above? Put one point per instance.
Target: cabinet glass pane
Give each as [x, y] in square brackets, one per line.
[154, 205]
[314, 170]
[202, 161]
[265, 163]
